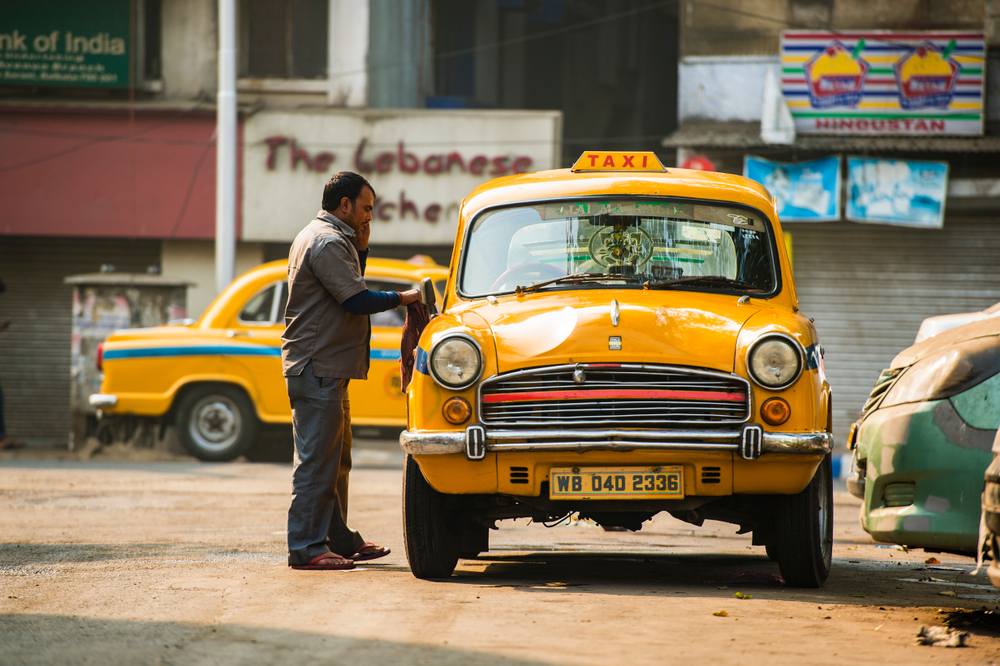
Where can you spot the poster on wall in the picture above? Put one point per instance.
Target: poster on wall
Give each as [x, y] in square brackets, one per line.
[65, 42]
[900, 192]
[804, 191]
[916, 83]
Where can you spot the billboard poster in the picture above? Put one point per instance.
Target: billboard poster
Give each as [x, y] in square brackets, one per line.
[65, 42]
[804, 191]
[912, 83]
[900, 192]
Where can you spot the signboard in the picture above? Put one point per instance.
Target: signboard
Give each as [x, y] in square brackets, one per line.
[919, 83]
[804, 191]
[896, 191]
[422, 164]
[65, 42]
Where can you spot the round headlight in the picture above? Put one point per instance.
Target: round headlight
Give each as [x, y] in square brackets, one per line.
[456, 363]
[775, 362]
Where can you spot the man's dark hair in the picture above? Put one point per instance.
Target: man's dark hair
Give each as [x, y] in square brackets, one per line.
[343, 184]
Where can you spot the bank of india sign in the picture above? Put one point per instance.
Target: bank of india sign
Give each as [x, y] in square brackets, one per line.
[421, 164]
[918, 83]
[65, 42]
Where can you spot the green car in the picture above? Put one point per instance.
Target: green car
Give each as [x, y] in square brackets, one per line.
[923, 442]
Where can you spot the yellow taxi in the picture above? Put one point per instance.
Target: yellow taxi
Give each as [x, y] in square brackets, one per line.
[219, 379]
[616, 340]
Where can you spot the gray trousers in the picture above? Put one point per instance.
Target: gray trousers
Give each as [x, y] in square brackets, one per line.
[321, 423]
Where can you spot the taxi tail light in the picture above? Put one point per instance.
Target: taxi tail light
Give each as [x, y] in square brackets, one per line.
[775, 411]
[99, 361]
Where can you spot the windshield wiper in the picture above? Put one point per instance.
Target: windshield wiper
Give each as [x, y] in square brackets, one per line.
[704, 279]
[576, 277]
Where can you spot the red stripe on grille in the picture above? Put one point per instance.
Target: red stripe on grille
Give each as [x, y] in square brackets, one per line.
[624, 393]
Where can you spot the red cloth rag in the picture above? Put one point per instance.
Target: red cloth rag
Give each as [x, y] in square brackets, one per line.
[417, 316]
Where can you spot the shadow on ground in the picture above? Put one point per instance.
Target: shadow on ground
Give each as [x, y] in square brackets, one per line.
[54, 639]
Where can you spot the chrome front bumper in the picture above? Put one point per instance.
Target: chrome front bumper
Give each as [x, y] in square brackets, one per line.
[460, 441]
[102, 400]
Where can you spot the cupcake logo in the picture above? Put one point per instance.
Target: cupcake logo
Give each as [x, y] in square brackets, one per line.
[835, 76]
[926, 77]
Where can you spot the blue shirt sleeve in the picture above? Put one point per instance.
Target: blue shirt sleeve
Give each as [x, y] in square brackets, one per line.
[369, 302]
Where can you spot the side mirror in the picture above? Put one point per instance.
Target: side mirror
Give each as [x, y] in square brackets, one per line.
[427, 296]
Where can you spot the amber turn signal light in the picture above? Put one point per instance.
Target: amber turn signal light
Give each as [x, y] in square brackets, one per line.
[457, 410]
[775, 411]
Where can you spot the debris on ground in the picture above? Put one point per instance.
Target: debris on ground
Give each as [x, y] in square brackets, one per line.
[740, 595]
[751, 576]
[941, 637]
[948, 593]
[932, 560]
[720, 613]
[983, 621]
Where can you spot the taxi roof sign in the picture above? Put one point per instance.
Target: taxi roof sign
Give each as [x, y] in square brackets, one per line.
[604, 160]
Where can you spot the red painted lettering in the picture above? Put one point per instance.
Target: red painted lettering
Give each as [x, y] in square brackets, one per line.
[593, 159]
[499, 166]
[359, 163]
[644, 157]
[920, 126]
[272, 149]
[906, 124]
[893, 125]
[406, 206]
[478, 164]
[433, 164]
[300, 155]
[609, 161]
[522, 164]
[323, 161]
[937, 125]
[408, 162]
[383, 163]
[432, 212]
[628, 161]
[454, 158]
[383, 211]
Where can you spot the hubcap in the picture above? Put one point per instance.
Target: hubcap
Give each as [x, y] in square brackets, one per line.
[215, 423]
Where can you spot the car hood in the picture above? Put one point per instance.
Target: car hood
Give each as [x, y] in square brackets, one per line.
[667, 327]
[979, 329]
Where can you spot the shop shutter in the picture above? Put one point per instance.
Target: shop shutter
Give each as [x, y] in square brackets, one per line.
[35, 350]
[868, 287]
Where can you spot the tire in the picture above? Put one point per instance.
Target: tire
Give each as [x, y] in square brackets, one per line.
[216, 422]
[475, 540]
[431, 532]
[772, 551]
[804, 530]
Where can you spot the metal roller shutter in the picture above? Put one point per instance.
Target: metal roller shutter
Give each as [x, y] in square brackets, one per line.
[35, 350]
[869, 287]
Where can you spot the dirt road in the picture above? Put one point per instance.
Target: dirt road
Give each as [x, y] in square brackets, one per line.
[184, 563]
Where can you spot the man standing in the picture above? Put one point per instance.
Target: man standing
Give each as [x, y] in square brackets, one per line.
[325, 345]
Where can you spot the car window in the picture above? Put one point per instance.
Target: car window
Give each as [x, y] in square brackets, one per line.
[267, 306]
[393, 318]
[627, 242]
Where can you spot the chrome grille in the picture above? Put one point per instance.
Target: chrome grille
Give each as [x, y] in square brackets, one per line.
[619, 394]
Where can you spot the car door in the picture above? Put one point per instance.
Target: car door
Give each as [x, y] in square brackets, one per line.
[262, 320]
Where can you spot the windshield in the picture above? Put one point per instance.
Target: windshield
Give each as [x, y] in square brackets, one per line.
[627, 243]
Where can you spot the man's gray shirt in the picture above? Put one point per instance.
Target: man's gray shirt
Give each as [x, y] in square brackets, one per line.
[324, 270]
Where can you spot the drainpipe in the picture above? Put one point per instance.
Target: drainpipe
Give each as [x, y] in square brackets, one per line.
[225, 156]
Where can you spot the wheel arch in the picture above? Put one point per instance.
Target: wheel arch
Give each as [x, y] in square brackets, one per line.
[193, 383]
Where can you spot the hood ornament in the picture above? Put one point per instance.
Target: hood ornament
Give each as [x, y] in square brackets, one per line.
[579, 376]
[615, 312]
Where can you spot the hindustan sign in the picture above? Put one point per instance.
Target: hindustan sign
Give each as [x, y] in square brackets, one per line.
[421, 164]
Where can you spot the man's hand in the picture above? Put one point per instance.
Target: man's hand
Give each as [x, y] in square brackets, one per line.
[407, 297]
[363, 233]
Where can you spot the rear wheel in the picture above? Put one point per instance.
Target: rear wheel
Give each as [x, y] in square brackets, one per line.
[431, 531]
[804, 531]
[216, 422]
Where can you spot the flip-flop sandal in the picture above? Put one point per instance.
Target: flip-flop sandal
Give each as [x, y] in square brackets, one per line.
[313, 564]
[358, 556]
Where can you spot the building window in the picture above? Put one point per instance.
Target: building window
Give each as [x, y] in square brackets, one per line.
[283, 39]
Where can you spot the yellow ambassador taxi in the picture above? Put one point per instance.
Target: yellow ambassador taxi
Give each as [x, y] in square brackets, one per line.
[220, 378]
[616, 340]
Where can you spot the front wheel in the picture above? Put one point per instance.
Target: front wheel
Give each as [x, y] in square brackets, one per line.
[216, 422]
[430, 530]
[804, 531]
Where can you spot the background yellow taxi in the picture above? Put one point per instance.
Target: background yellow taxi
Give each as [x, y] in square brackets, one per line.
[618, 340]
[220, 379]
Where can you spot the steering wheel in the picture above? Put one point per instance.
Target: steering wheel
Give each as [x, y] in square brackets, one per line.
[524, 275]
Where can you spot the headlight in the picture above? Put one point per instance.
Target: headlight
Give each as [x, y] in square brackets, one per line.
[775, 362]
[455, 362]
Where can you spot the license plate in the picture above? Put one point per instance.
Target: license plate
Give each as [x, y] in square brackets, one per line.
[616, 483]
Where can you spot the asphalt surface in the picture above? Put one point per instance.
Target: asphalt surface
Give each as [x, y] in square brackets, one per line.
[125, 562]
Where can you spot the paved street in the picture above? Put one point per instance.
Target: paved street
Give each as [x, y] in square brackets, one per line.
[184, 563]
